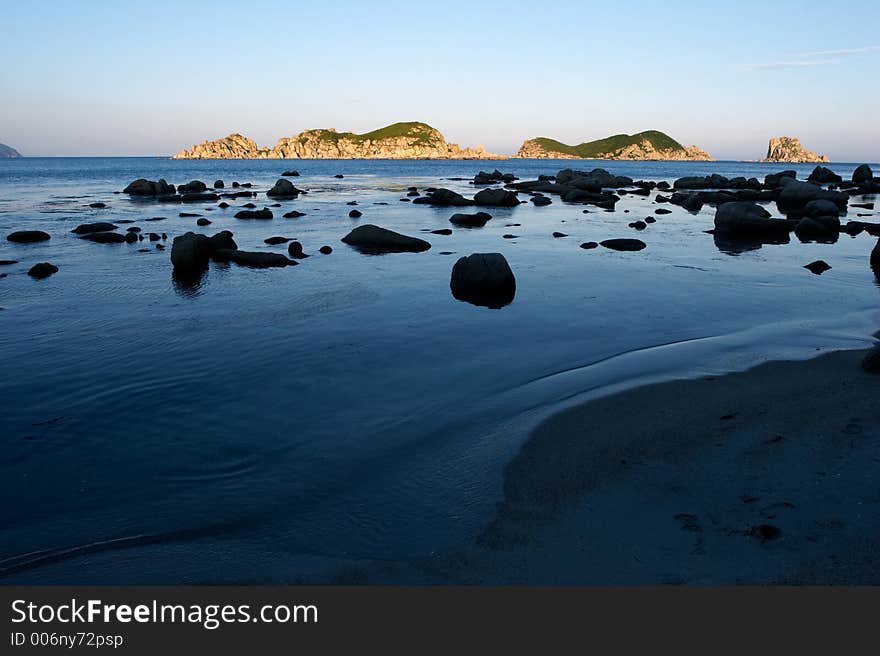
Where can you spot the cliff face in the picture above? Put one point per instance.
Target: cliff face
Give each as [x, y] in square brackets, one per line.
[789, 149]
[397, 141]
[651, 145]
[8, 151]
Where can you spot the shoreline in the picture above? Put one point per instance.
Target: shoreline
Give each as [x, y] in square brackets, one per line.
[766, 476]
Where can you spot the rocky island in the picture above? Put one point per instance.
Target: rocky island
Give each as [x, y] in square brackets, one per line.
[649, 145]
[789, 149]
[412, 140]
[8, 151]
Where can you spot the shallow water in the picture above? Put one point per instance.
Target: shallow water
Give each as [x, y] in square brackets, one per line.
[266, 425]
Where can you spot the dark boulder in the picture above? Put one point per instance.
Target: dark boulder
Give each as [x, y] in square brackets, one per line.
[291, 174]
[223, 240]
[824, 175]
[818, 267]
[274, 241]
[294, 215]
[541, 201]
[862, 174]
[373, 239]
[477, 220]
[203, 222]
[193, 187]
[254, 214]
[198, 198]
[218, 184]
[190, 252]
[143, 187]
[42, 270]
[443, 198]
[624, 244]
[483, 279]
[774, 180]
[795, 195]
[355, 214]
[589, 245]
[325, 250]
[284, 189]
[28, 236]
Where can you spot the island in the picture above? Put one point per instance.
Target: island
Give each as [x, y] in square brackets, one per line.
[409, 140]
[789, 149]
[8, 151]
[648, 145]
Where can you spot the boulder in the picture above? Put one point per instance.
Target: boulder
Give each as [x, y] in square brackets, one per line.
[541, 201]
[254, 214]
[862, 174]
[824, 175]
[795, 195]
[325, 250]
[218, 184]
[483, 279]
[821, 208]
[589, 245]
[822, 228]
[86, 228]
[291, 174]
[203, 222]
[42, 270]
[355, 214]
[190, 252]
[818, 267]
[28, 236]
[284, 189]
[774, 180]
[143, 187]
[594, 180]
[251, 259]
[197, 198]
[373, 239]
[222, 240]
[192, 187]
[747, 220]
[477, 220]
[294, 215]
[624, 244]
[274, 241]
[443, 198]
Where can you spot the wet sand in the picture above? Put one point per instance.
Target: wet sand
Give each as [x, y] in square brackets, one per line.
[770, 476]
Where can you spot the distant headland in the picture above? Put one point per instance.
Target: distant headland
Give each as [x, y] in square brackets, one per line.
[648, 145]
[412, 140]
[8, 151]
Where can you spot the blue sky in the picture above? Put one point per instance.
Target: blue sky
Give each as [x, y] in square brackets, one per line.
[112, 78]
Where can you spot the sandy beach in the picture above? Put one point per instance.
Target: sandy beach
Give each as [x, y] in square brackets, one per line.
[765, 476]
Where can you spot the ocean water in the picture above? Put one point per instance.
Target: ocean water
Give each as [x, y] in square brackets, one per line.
[268, 426]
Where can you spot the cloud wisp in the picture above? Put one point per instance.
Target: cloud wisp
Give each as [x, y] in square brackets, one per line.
[818, 58]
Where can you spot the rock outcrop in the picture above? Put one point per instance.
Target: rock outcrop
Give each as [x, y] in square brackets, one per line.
[8, 151]
[412, 140]
[789, 149]
[649, 145]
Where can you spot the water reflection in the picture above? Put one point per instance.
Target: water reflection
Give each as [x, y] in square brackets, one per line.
[189, 284]
[739, 245]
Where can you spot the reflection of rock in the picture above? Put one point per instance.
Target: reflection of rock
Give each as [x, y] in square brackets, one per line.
[744, 219]
[738, 244]
[483, 279]
[373, 239]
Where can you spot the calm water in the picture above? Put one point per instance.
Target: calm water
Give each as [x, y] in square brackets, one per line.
[269, 425]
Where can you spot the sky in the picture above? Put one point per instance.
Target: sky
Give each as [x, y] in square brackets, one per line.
[93, 77]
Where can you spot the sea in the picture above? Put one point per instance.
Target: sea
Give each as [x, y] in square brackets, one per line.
[289, 425]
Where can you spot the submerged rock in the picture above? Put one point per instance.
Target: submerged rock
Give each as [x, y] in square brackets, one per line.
[483, 279]
[42, 270]
[28, 236]
[274, 241]
[374, 239]
[624, 244]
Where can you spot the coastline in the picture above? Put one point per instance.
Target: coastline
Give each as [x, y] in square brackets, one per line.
[766, 476]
